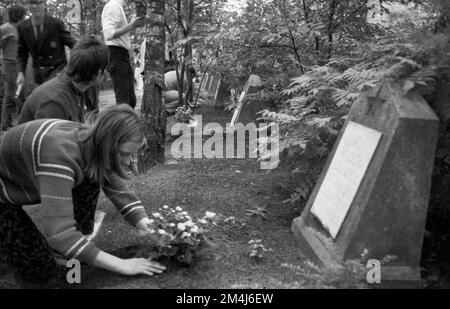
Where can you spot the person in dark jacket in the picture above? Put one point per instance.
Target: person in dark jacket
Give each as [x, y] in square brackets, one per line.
[44, 38]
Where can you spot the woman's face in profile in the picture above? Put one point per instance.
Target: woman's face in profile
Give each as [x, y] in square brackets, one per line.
[126, 152]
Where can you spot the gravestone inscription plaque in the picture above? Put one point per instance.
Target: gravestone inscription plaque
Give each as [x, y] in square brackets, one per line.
[346, 171]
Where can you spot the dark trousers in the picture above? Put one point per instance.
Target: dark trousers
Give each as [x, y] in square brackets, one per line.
[9, 106]
[122, 76]
[26, 251]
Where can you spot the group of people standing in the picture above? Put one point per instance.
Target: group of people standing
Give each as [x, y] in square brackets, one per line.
[52, 157]
[44, 38]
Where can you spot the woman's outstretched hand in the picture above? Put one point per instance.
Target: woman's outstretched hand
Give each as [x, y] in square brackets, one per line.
[141, 266]
[130, 267]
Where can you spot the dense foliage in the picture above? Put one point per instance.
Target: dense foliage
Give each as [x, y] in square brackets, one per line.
[316, 58]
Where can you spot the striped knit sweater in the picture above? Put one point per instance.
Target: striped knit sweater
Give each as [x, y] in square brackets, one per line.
[40, 162]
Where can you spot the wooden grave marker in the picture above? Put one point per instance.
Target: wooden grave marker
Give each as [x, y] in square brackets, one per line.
[246, 113]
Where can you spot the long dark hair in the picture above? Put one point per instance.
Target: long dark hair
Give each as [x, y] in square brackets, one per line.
[114, 126]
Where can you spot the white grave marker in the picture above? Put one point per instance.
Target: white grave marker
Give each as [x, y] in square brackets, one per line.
[238, 109]
[344, 176]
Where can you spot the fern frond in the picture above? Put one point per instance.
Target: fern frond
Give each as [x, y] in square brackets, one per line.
[354, 76]
[277, 117]
[319, 122]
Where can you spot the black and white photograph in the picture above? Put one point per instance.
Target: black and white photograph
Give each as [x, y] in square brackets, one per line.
[224, 150]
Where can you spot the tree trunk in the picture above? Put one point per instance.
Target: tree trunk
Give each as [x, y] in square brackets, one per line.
[330, 28]
[190, 92]
[190, 86]
[182, 65]
[316, 38]
[153, 111]
[81, 26]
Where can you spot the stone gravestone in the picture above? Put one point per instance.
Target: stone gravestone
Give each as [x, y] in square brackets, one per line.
[247, 112]
[372, 196]
[222, 93]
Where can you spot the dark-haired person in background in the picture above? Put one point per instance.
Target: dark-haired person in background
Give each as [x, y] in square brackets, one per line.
[8, 47]
[67, 95]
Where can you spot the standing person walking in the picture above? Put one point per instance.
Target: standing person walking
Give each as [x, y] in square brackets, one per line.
[116, 32]
[8, 47]
[42, 37]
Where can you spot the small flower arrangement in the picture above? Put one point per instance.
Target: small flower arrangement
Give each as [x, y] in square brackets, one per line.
[177, 234]
[183, 114]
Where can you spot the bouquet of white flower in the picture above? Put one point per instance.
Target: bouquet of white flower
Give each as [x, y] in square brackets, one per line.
[177, 235]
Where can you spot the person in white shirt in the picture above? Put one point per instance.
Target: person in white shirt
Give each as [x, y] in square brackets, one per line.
[116, 32]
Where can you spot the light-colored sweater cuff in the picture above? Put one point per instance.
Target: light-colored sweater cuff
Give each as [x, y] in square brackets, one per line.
[136, 216]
